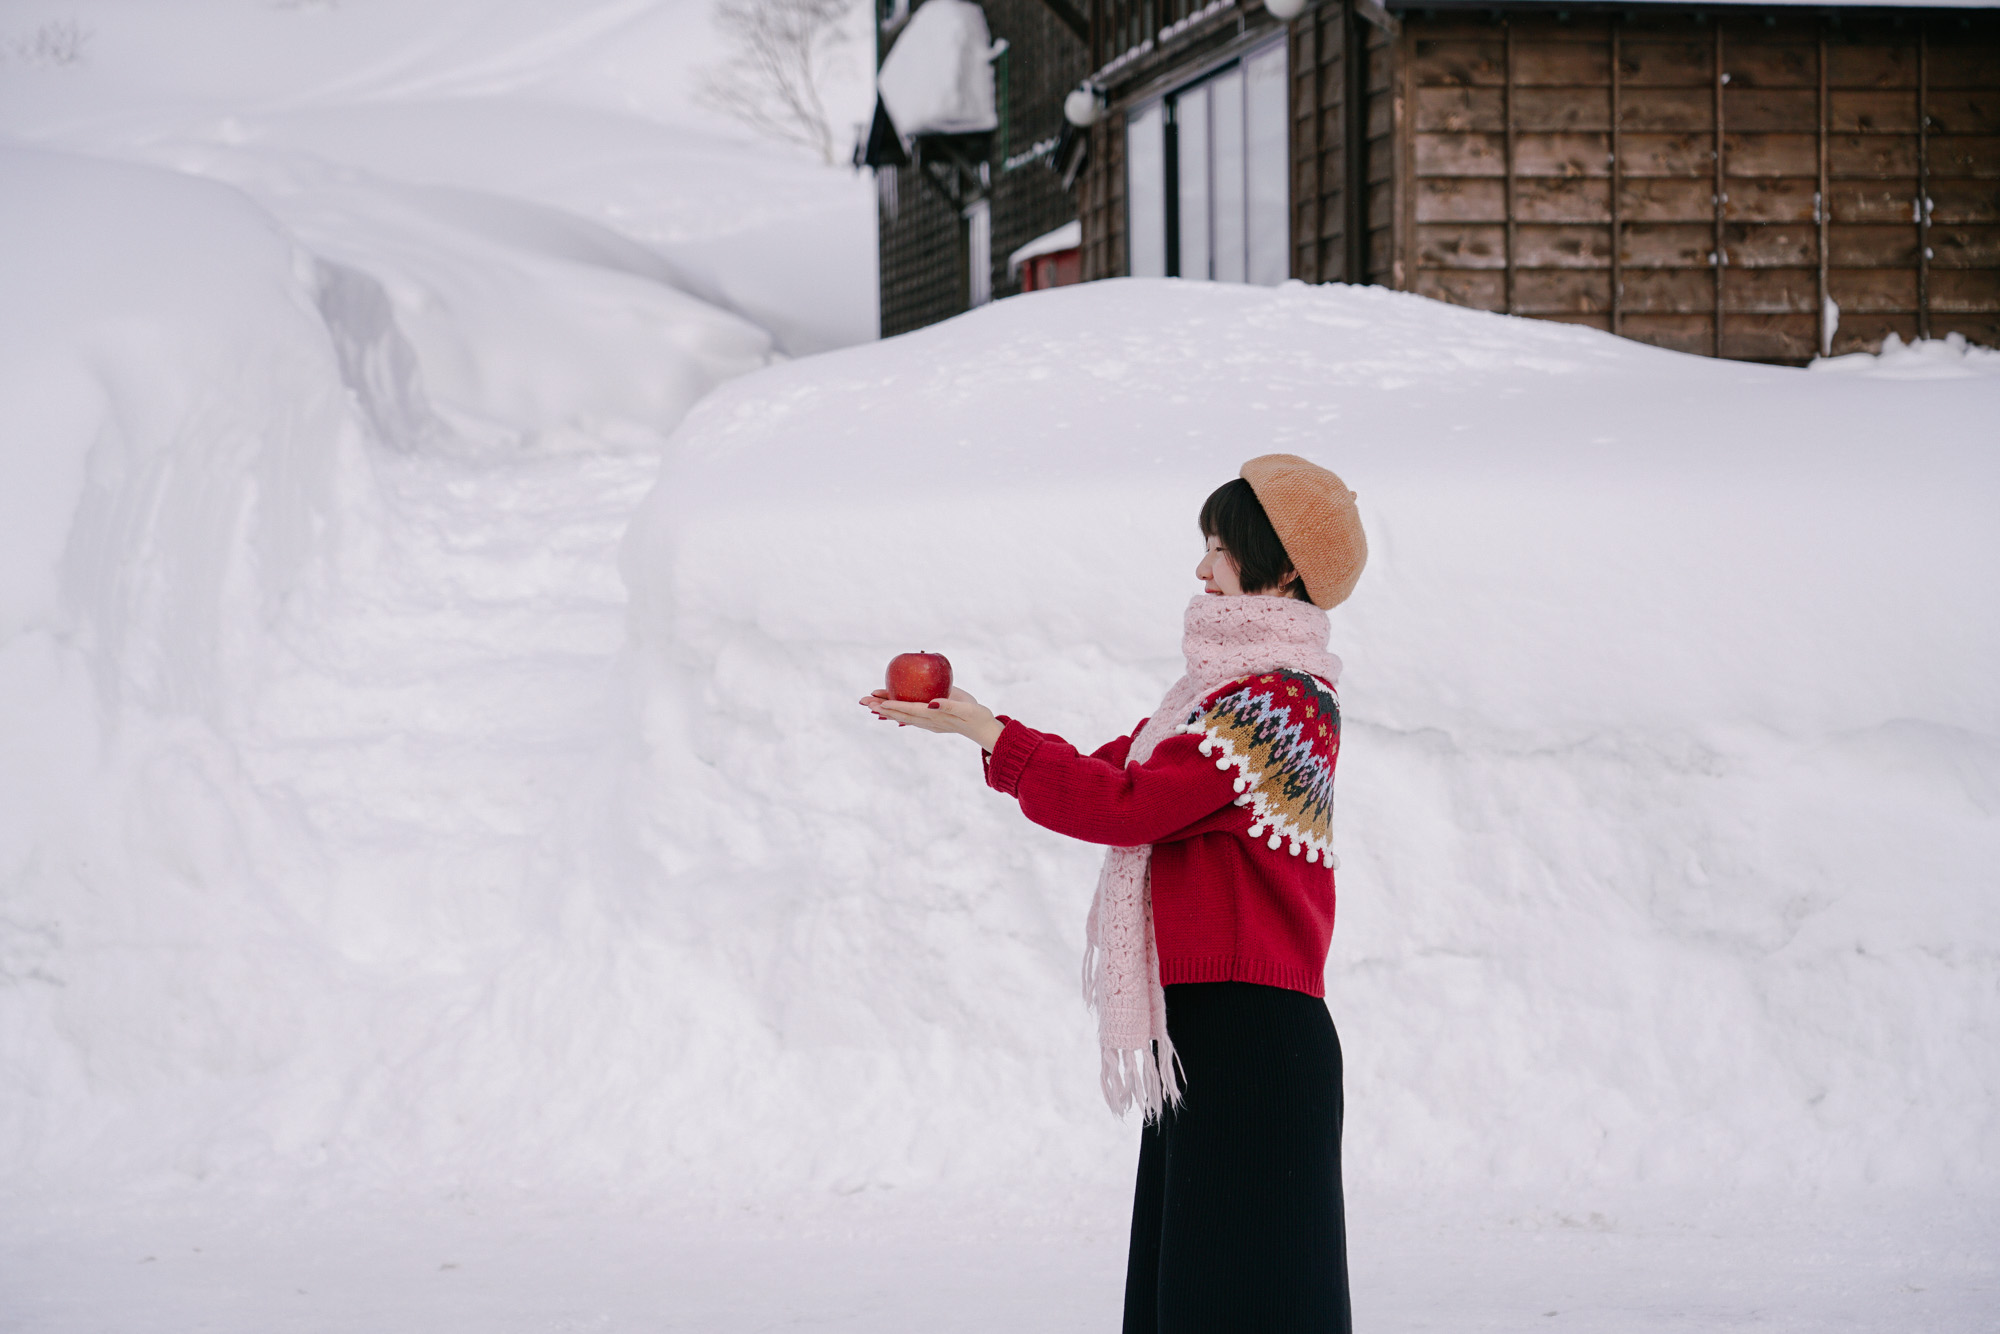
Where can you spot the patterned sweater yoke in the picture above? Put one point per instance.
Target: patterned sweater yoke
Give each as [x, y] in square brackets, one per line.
[1280, 731]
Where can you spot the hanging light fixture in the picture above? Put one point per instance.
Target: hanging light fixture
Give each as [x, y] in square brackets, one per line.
[1084, 105]
[1285, 9]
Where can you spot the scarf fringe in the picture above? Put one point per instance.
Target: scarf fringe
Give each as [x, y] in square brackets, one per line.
[1150, 1078]
[1153, 1080]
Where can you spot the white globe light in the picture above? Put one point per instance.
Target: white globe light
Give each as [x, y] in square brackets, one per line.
[1081, 107]
[1285, 9]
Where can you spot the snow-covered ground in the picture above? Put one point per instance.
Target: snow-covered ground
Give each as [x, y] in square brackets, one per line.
[529, 1263]
[445, 882]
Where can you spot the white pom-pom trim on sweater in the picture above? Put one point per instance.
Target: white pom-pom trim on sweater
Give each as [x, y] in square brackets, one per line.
[1263, 820]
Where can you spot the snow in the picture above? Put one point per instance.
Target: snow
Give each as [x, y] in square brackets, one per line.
[438, 845]
[1948, 358]
[583, 108]
[528, 1263]
[938, 75]
[1667, 785]
[1066, 237]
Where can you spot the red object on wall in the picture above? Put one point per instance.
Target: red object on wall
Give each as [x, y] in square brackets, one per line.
[1057, 269]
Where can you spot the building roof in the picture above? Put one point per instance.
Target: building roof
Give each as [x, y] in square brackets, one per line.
[1069, 236]
[938, 77]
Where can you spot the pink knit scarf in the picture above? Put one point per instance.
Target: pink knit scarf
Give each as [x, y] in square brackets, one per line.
[1226, 638]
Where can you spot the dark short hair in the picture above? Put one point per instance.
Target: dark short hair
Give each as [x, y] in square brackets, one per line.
[1235, 515]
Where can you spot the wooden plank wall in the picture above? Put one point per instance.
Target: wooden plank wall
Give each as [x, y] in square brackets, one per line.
[1384, 72]
[1322, 250]
[1911, 104]
[921, 256]
[1697, 181]
[1100, 201]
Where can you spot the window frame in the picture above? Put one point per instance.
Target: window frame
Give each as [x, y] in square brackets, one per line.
[1167, 101]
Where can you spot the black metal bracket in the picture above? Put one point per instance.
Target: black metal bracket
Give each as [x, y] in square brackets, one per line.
[955, 165]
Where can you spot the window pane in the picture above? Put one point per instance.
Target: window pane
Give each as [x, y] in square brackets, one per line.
[1225, 104]
[979, 252]
[1267, 113]
[1191, 169]
[1146, 192]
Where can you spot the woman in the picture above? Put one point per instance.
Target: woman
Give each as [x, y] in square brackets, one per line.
[1208, 937]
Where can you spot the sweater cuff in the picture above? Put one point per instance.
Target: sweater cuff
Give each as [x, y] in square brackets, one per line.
[985, 755]
[1010, 755]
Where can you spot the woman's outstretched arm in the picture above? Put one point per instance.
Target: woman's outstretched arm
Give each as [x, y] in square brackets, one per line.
[1098, 798]
[1100, 801]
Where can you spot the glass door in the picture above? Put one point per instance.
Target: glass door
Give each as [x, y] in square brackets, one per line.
[979, 252]
[1208, 176]
[1191, 144]
[1146, 191]
[1226, 261]
[1267, 167]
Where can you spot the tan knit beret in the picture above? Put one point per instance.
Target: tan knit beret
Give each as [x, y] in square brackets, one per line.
[1314, 515]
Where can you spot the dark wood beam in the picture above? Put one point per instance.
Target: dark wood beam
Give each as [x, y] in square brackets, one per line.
[1071, 17]
[1371, 11]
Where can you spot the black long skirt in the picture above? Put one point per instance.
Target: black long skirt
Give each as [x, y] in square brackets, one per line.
[1238, 1221]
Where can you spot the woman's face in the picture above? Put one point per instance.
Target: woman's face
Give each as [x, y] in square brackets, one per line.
[1218, 572]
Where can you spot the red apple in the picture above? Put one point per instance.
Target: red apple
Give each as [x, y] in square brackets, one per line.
[918, 678]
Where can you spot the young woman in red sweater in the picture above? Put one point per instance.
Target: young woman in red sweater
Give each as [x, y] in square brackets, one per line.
[1208, 936]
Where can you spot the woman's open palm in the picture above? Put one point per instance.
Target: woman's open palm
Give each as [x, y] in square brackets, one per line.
[957, 712]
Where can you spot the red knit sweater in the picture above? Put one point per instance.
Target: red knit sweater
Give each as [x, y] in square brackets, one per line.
[1226, 906]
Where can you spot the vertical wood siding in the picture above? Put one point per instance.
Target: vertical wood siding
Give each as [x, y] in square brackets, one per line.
[1694, 180]
[1100, 201]
[1385, 145]
[1327, 225]
[921, 251]
[1758, 183]
[1962, 116]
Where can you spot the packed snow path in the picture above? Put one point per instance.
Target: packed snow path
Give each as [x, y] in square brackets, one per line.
[435, 725]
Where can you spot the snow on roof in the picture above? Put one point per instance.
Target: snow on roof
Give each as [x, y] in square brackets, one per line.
[938, 78]
[1066, 237]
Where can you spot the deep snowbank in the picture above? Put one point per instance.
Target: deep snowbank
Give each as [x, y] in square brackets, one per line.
[322, 440]
[343, 849]
[179, 447]
[305, 600]
[357, 833]
[583, 106]
[1672, 765]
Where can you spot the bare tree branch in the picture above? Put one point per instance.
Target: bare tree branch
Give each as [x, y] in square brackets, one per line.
[770, 82]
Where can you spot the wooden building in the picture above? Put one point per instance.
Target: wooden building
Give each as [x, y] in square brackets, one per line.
[1767, 182]
[962, 204]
